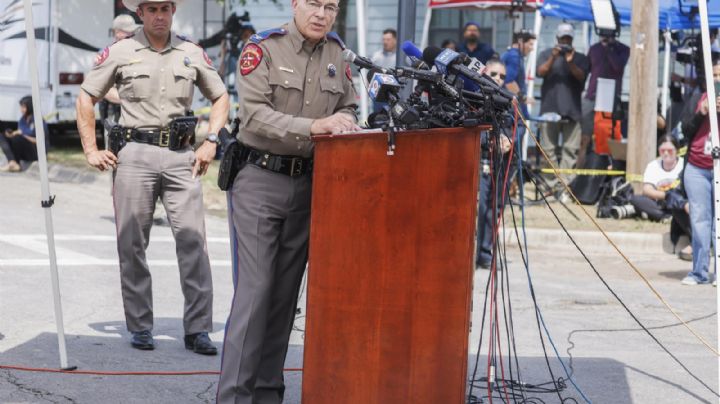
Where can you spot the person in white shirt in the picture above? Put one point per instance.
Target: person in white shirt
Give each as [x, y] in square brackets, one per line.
[661, 198]
[661, 175]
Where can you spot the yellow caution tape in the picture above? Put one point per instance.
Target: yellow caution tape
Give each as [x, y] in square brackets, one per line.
[581, 171]
[591, 172]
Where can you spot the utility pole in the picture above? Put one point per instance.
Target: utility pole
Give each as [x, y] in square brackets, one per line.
[642, 124]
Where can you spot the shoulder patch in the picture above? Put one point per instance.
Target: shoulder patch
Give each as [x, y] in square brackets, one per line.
[207, 58]
[335, 37]
[102, 56]
[250, 58]
[261, 36]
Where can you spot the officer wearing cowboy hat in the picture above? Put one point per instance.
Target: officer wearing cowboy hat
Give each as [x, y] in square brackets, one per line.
[156, 72]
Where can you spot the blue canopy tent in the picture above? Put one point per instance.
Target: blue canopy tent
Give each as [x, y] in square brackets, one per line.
[671, 16]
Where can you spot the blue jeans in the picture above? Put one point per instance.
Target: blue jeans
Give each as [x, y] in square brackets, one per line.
[699, 188]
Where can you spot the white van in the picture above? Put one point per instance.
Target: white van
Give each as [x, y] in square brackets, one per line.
[69, 35]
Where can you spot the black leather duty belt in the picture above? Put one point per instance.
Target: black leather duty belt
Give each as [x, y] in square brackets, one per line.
[161, 137]
[292, 166]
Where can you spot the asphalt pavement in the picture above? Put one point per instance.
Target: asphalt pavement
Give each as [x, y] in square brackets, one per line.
[609, 356]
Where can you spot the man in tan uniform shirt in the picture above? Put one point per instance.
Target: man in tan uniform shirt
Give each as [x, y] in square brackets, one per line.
[155, 72]
[293, 82]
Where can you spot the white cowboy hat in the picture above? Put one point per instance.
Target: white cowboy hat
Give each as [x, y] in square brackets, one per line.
[124, 23]
[133, 5]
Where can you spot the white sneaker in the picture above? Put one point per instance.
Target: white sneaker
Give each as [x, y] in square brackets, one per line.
[689, 280]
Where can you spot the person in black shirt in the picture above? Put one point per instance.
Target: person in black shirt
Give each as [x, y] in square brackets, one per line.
[563, 71]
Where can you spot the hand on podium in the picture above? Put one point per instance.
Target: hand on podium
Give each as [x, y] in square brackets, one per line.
[339, 122]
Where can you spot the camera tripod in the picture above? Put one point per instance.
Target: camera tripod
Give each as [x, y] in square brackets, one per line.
[542, 188]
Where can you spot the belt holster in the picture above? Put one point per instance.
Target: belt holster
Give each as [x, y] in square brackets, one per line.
[233, 160]
[180, 133]
[116, 140]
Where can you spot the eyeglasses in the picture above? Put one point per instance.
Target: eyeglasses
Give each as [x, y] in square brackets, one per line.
[493, 74]
[330, 9]
[664, 150]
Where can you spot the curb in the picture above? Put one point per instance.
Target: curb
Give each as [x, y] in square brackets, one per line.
[594, 242]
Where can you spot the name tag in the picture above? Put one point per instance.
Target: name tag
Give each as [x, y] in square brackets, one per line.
[285, 69]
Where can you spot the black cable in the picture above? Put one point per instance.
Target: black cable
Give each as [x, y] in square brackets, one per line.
[534, 299]
[622, 303]
[659, 327]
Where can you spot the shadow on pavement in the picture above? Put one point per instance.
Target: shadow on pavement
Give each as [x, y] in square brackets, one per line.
[113, 353]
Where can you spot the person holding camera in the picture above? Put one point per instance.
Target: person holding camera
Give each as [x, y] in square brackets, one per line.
[698, 179]
[563, 71]
[151, 154]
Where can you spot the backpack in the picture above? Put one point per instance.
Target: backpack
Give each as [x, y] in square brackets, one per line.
[587, 188]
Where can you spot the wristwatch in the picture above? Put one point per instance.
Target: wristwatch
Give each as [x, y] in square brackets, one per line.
[212, 138]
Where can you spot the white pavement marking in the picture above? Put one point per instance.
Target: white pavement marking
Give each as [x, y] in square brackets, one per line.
[13, 238]
[67, 257]
[94, 262]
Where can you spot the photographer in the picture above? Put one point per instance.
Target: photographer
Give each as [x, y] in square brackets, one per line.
[563, 71]
[237, 31]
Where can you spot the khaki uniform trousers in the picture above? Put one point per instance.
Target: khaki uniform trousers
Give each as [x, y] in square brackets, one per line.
[144, 174]
[271, 215]
[568, 150]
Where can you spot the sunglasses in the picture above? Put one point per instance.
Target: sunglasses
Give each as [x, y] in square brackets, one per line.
[666, 150]
[493, 74]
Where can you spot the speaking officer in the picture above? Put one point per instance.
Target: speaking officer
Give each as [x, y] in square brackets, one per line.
[293, 83]
[155, 72]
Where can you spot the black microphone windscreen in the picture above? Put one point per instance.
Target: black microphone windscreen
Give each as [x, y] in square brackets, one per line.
[430, 54]
[371, 73]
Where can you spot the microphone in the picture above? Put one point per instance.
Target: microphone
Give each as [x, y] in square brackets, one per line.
[415, 55]
[362, 62]
[382, 87]
[449, 61]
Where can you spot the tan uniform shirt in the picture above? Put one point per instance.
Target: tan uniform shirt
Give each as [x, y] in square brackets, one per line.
[294, 83]
[155, 87]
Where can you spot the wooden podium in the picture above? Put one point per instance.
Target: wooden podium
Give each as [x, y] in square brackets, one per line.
[391, 268]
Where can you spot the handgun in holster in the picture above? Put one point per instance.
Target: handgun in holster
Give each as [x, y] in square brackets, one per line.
[182, 132]
[234, 156]
[116, 140]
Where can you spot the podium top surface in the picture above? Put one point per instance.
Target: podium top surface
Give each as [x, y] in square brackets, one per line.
[370, 133]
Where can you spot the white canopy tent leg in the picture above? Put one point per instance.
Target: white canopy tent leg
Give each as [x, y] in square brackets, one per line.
[666, 76]
[425, 39]
[47, 200]
[530, 73]
[710, 85]
[362, 49]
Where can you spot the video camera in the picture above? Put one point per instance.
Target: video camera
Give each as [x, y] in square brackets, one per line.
[234, 27]
[564, 48]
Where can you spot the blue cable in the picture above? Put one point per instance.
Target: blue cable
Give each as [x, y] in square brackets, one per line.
[530, 283]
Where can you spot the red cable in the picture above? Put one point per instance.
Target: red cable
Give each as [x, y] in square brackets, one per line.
[111, 373]
[497, 227]
[493, 267]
